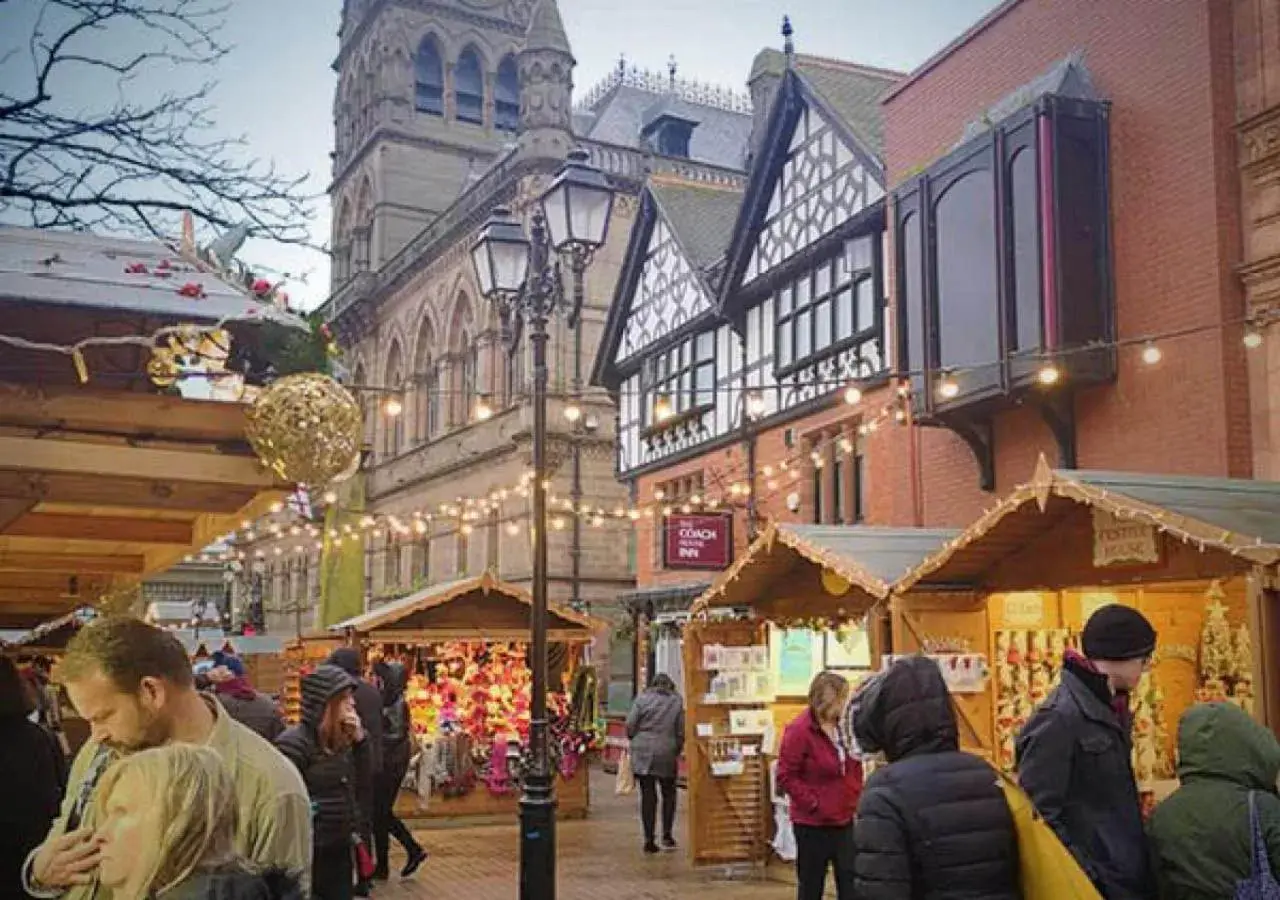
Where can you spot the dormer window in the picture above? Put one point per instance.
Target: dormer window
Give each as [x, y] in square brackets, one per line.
[672, 139]
[667, 127]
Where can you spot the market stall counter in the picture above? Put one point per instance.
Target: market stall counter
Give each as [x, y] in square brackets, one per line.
[465, 645]
[1196, 556]
[803, 598]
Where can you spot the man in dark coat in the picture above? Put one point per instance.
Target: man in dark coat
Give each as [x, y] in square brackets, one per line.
[251, 708]
[1074, 754]
[934, 823]
[369, 708]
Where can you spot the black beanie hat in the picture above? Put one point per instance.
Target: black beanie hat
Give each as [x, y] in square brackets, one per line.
[1117, 632]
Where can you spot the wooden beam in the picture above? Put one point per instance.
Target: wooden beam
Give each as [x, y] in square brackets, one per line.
[72, 564]
[131, 493]
[18, 597]
[120, 412]
[51, 581]
[116, 529]
[28, 454]
[22, 621]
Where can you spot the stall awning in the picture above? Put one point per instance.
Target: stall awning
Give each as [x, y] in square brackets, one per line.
[666, 598]
[478, 608]
[869, 558]
[1230, 515]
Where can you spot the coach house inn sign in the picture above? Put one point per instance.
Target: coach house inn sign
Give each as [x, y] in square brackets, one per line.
[1122, 542]
[697, 542]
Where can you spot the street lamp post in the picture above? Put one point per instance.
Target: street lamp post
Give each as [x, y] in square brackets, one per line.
[521, 276]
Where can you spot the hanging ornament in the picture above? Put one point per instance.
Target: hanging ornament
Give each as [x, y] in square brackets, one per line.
[834, 583]
[306, 428]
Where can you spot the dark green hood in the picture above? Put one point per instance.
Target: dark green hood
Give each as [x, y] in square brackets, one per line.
[1220, 740]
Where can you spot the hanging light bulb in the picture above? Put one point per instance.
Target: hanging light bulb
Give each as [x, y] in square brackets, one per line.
[483, 410]
[392, 406]
[948, 388]
[755, 405]
[1049, 375]
[659, 494]
[573, 412]
[1252, 338]
[513, 529]
[633, 514]
[558, 523]
[1151, 354]
[330, 497]
[277, 506]
[846, 445]
[662, 409]
[852, 395]
[467, 529]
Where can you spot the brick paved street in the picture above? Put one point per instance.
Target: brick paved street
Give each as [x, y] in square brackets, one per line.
[600, 859]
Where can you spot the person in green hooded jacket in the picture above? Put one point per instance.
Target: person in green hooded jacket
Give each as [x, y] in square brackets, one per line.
[1201, 841]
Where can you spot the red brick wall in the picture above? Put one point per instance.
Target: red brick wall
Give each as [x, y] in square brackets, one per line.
[1166, 66]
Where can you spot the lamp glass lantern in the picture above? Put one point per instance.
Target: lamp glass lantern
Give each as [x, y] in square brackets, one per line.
[501, 255]
[577, 206]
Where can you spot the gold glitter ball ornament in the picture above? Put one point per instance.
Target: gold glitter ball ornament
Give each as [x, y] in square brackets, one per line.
[306, 428]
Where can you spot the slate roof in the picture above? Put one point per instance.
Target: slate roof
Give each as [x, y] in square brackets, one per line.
[720, 138]
[72, 268]
[701, 216]
[1068, 77]
[853, 92]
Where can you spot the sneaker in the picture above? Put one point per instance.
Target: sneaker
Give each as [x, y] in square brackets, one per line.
[668, 843]
[650, 847]
[417, 856]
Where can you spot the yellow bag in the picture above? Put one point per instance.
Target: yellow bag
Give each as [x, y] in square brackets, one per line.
[1049, 871]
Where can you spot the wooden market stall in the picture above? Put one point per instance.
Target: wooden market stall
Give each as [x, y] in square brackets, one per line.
[802, 599]
[465, 644]
[1197, 556]
[109, 472]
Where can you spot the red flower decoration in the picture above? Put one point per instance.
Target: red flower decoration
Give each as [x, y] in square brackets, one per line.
[136, 268]
[261, 287]
[193, 289]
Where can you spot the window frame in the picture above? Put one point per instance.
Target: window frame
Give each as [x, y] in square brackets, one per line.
[661, 376]
[506, 111]
[841, 276]
[459, 93]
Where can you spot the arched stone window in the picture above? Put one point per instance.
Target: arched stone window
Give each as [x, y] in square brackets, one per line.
[506, 96]
[465, 369]
[342, 245]
[468, 87]
[427, 389]
[429, 76]
[393, 426]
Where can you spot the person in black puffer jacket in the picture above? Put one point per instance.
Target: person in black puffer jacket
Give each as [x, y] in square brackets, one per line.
[330, 749]
[396, 750]
[934, 823]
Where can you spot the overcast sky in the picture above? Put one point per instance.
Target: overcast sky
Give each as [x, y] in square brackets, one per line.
[277, 86]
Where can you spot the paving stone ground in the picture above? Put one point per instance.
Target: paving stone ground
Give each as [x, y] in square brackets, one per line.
[599, 858]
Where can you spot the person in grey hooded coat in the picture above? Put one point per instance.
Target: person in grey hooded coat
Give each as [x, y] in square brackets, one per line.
[655, 728]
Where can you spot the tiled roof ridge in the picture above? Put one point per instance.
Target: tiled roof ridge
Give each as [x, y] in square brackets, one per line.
[830, 62]
[671, 179]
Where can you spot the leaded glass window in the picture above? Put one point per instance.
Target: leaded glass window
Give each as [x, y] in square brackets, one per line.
[680, 382]
[831, 305]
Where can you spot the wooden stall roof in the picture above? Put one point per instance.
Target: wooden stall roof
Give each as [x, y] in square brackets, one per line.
[1230, 515]
[242, 645]
[478, 608]
[53, 634]
[100, 488]
[870, 558]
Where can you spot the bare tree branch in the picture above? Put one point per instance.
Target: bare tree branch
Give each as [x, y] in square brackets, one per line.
[135, 164]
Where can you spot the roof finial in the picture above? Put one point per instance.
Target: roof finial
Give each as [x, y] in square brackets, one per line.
[671, 71]
[788, 47]
[622, 64]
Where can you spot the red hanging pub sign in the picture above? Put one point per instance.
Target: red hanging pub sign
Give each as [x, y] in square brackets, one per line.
[693, 541]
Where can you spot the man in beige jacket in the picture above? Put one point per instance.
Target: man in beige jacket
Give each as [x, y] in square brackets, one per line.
[133, 684]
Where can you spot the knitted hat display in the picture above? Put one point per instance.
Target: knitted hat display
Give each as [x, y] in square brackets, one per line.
[1117, 632]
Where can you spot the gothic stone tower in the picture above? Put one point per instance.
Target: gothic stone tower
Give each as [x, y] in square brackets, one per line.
[428, 95]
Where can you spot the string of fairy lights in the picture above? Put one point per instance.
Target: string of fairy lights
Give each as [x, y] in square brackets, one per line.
[292, 529]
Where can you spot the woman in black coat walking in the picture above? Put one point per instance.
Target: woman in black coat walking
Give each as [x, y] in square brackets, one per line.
[330, 749]
[655, 727]
[397, 737]
[34, 776]
[934, 823]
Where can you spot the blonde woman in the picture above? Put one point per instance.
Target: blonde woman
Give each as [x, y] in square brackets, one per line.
[822, 777]
[168, 821]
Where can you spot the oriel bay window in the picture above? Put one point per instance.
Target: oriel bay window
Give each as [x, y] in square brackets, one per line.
[1004, 266]
[833, 306]
[679, 383]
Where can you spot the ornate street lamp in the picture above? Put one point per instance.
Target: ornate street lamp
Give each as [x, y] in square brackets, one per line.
[522, 278]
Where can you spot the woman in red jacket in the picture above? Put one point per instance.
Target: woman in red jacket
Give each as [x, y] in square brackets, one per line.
[822, 778]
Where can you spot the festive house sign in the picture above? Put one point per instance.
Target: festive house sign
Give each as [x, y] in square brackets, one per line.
[697, 542]
[1116, 541]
